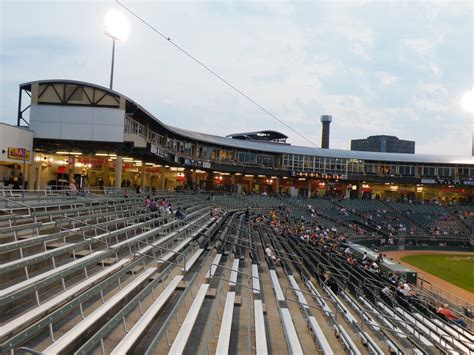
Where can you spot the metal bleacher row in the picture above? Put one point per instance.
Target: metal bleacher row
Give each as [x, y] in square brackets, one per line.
[101, 273]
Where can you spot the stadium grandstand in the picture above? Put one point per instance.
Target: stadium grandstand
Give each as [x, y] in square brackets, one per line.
[121, 234]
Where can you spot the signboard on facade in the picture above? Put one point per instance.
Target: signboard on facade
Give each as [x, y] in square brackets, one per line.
[197, 163]
[295, 173]
[157, 151]
[18, 154]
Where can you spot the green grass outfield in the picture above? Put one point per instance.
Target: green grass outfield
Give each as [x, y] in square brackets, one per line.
[454, 268]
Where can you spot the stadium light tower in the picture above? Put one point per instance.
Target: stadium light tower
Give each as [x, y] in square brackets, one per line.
[116, 27]
[467, 103]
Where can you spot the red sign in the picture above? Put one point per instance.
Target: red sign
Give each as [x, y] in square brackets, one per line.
[151, 169]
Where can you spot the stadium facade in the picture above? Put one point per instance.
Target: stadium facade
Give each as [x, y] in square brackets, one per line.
[103, 138]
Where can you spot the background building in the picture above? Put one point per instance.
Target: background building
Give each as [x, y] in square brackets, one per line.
[382, 143]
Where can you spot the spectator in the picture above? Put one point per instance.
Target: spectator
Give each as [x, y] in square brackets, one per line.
[180, 214]
[406, 294]
[365, 257]
[450, 316]
[73, 187]
[153, 207]
[269, 253]
[330, 282]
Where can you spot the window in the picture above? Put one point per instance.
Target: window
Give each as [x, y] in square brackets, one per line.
[246, 158]
[370, 168]
[355, 166]
[298, 162]
[227, 155]
[406, 170]
[445, 171]
[188, 148]
[204, 152]
[287, 161]
[428, 171]
[308, 163]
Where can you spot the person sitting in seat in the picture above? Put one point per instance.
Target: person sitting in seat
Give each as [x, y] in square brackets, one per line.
[450, 316]
[179, 214]
[387, 295]
[73, 187]
[330, 282]
[269, 253]
[406, 292]
[153, 207]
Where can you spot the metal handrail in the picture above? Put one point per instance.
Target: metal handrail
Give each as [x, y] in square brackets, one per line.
[20, 204]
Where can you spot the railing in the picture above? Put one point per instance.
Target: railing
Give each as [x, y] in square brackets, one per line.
[443, 296]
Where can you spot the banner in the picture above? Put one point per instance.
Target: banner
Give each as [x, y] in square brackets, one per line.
[18, 154]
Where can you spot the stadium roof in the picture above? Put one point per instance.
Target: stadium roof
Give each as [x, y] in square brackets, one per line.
[281, 148]
[267, 135]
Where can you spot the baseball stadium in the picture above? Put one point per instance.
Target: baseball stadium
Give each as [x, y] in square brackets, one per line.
[122, 234]
[126, 228]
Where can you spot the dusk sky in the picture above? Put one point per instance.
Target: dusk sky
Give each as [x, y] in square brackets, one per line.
[378, 67]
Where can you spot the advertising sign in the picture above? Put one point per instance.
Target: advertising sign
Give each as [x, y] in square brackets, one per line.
[18, 154]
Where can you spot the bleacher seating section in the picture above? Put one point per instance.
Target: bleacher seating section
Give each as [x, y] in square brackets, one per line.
[102, 273]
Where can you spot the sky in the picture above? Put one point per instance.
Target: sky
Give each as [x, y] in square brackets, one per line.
[378, 67]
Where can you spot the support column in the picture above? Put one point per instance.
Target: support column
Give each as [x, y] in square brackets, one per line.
[232, 182]
[38, 176]
[31, 176]
[194, 179]
[72, 170]
[277, 186]
[309, 188]
[143, 176]
[118, 172]
[163, 179]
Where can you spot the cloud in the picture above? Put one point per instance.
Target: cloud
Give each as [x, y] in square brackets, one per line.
[386, 78]
[377, 67]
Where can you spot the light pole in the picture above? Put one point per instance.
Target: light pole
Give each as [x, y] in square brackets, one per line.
[116, 27]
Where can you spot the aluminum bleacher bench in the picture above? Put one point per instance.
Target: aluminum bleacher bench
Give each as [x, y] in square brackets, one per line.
[213, 269]
[347, 314]
[190, 262]
[346, 339]
[313, 324]
[33, 280]
[442, 332]
[72, 335]
[285, 316]
[456, 331]
[234, 272]
[290, 331]
[255, 280]
[188, 323]
[41, 310]
[139, 328]
[407, 325]
[260, 335]
[276, 286]
[226, 325]
[420, 326]
[374, 324]
[174, 251]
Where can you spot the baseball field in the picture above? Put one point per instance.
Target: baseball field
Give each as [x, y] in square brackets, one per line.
[457, 269]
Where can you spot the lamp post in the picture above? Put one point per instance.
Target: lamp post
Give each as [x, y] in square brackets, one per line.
[116, 27]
